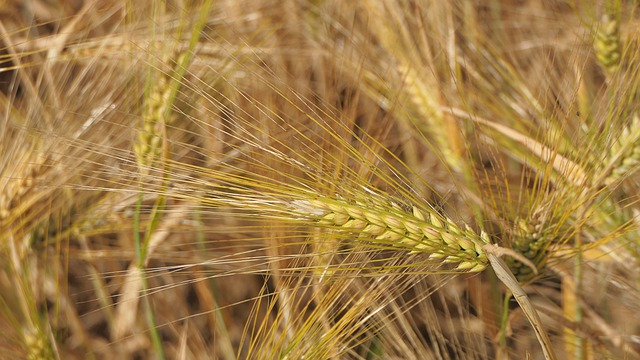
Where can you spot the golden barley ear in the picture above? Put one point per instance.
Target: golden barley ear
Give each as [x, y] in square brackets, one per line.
[18, 179]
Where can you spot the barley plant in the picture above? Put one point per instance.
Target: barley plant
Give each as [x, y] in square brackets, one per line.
[259, 179]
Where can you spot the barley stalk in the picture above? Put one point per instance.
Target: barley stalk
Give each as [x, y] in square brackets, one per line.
[388, 224]
[507, 278]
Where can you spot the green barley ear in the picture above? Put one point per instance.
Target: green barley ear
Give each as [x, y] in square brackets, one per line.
[533, 236]
[443, 127]
[607, 44]
[155, 117]
[623, 156]
[38, 345]
[385, 224]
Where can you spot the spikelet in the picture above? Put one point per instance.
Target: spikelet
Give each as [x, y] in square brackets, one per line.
[387, 225]
[607, 44]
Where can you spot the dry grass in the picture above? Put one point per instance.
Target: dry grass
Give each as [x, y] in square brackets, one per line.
[319, 179]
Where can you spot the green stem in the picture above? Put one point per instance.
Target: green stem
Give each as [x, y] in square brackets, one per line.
[141, 252]
[578, 315]
[504, 320]
[225, 344]
[151, 321]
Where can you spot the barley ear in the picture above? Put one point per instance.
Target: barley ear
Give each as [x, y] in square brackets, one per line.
[149, 136]
[384, 225]
[533, 236]
[607, 44]
[433, 120]
[25, 172]
[624, 154]
[38, 345]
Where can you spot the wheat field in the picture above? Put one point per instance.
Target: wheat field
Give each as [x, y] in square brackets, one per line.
[319, 179]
